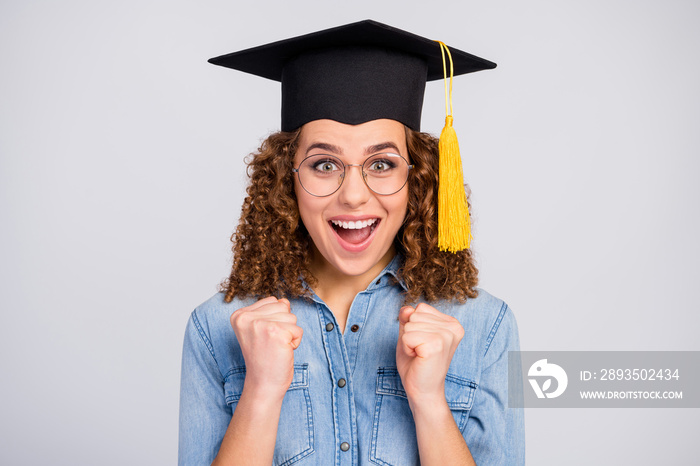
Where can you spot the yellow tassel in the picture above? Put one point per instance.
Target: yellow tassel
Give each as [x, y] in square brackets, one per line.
[454, 224]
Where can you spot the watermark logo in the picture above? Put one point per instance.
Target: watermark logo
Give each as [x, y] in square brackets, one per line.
[604, 379]
[547, 371]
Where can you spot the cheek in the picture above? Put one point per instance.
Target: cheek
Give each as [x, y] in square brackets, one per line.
[309, 207]
[302, 201]
[402, 204]
[397, 207]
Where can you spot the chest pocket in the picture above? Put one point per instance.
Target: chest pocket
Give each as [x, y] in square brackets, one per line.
[394, 432]
[295, 433]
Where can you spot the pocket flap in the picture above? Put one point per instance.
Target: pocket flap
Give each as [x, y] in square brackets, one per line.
[459, 392]
[233, 383]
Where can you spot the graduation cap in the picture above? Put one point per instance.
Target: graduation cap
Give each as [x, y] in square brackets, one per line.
[365, 71]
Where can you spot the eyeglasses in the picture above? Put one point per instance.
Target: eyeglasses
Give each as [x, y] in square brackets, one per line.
[321, 175]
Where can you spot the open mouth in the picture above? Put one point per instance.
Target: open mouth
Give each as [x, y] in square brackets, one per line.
[354, 232]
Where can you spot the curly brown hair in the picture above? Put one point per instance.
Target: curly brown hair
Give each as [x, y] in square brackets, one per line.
[271, 245]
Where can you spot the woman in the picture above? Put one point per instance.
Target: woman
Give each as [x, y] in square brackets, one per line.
[344, 334]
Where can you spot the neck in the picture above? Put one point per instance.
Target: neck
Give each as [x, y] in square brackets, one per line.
[331, 281]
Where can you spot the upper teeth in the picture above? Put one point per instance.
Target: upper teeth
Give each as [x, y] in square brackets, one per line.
[354, 225]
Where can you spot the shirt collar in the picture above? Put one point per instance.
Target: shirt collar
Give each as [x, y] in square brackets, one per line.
[392, 269]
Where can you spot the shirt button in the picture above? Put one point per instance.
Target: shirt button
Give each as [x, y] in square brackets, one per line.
[329, 326]
[341, 383]
[345, 446]
[355, 328]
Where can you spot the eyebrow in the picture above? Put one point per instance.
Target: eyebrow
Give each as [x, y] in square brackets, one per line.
[383, 146]
[325, 147]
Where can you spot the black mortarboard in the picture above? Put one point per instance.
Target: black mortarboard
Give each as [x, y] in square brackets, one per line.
[352, 74]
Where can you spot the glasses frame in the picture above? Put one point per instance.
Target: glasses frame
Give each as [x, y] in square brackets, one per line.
[362, 170]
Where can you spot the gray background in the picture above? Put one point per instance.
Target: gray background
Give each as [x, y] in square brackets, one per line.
[121, 179]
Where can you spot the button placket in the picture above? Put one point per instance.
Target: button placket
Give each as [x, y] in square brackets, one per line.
[343, 405]
[356, 318]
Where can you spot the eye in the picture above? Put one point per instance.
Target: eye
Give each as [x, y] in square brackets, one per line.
[325, 165]
[381, 165]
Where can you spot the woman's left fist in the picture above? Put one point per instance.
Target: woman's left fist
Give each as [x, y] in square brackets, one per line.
[427, 341]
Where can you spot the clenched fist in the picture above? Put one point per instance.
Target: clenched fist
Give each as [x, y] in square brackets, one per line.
[427, 341]
[268, 334]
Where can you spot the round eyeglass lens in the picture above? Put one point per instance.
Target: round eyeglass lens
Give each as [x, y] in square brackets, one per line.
[385, 173]
[321, 175]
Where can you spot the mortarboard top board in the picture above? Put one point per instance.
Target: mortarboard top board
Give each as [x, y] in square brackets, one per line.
[352, 74]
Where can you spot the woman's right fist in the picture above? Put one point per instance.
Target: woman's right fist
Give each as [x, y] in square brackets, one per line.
[268, 334]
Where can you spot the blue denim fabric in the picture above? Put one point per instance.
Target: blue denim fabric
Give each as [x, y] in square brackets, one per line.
[370, 412]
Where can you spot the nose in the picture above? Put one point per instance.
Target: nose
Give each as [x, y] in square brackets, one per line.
[353, 191]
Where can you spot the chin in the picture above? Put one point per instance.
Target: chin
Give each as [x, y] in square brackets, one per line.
[360, 266]
[369, 261]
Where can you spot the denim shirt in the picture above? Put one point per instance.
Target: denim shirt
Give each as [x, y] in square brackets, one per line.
[346, 404]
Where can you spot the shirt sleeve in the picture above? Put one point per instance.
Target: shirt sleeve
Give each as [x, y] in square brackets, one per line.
[204, 414]
[495, 433]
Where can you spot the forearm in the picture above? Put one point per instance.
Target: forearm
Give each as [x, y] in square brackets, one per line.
[439, 440]
[252, 432]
